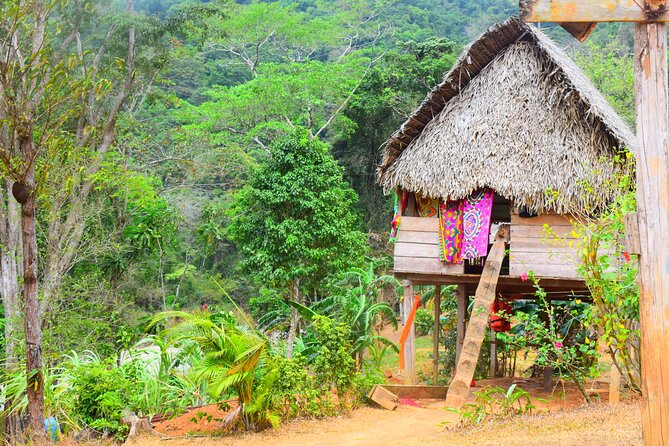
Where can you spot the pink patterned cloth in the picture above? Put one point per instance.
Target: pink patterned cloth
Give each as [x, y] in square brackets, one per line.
[477, 209]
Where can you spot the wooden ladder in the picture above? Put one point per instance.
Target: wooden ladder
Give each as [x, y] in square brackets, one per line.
[478, 322]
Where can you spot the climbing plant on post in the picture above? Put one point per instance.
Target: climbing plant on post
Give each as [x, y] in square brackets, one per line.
[295, 221]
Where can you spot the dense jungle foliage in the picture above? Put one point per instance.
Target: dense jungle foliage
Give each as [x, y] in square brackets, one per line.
[207, 199]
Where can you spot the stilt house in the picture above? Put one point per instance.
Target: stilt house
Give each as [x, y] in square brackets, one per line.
[515, 116]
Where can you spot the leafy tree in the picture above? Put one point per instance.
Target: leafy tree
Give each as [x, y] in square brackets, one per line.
[294, 222]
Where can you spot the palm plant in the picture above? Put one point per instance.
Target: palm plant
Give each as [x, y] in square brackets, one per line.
[231, 356]
[360, 307]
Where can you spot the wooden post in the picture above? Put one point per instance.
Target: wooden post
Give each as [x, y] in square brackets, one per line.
[614, 385]
[461, 324]
[548, 378]
[435, 334]
[410, 343]
[493, 354]
[652, 168]
[478, 322]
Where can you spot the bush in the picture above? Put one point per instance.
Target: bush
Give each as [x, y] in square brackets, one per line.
[103, 393]
[424, 322]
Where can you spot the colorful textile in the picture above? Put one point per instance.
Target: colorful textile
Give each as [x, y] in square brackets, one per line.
[401, 198]
[450, 231]
[476, 223]
[426, 206]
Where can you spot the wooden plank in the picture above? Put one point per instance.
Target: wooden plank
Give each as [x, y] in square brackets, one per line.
[461, 323]
[535, 242]
[416, 391]
[478, 323]
[419, 224]
[585, 11]
[554, 271]
[417, 250]
[652, 169]
[384, 397]
[535, 256]
[435, 334]
[410, 343]
[538, 231]
[407, 236]
[540, 220]
[425, 266]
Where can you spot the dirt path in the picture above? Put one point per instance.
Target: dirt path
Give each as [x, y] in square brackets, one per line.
[593, 426]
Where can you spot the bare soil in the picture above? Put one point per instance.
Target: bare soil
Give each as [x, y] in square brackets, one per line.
[561, 418]
[595, 425]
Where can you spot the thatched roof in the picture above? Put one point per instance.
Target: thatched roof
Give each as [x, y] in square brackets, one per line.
[514, 114]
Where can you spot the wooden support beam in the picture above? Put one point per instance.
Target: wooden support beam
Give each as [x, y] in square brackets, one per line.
[435, 334]
[652, 168]
[478, 322]
[548, 379]
[632, 234]
[579, 30]
[493, 354]
[461, 323]
[614, 385]
[591, 11]
[410, 343]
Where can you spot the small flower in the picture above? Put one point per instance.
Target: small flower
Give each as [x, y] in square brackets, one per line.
[559, 344]
[204, 307]
[523, 276]
[627, 256]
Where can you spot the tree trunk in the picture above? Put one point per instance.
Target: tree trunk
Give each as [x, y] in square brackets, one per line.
[10, 290]
[35, 379]
[294, 318]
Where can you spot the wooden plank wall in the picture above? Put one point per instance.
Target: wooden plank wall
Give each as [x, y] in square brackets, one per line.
[532, 250]
[417, 248]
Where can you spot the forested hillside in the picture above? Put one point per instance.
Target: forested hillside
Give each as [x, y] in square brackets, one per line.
[213, 97]
[218, 154]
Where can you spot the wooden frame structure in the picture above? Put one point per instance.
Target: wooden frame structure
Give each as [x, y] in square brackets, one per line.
[416, 157]
[652, 107]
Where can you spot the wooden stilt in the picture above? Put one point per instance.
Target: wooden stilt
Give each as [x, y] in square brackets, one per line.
[493, 354]
[461, 324]
[478, 322]
[435, 334]
[548, 379]
[410, 343]
[614, 385]
[652, 168]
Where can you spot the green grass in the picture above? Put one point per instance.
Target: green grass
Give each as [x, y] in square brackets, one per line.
[391, 361]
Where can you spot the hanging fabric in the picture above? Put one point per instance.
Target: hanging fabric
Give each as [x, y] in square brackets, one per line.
[426, 206]
[477, 209]
[450, 231]
[401, 198]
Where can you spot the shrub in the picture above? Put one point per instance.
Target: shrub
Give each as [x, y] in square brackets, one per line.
[424, 322]
[103, 393]
[495, 403]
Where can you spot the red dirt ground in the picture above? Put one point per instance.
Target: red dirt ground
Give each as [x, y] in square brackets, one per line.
[202, 420]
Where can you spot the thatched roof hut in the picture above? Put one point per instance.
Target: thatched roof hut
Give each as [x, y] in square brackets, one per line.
[514, 114]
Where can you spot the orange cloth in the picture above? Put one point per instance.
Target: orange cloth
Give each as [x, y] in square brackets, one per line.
[407, 328]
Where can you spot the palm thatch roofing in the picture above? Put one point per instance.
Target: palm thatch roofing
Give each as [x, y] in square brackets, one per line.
[514, 114]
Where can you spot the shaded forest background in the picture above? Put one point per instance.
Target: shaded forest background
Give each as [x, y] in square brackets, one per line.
[156, 226]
